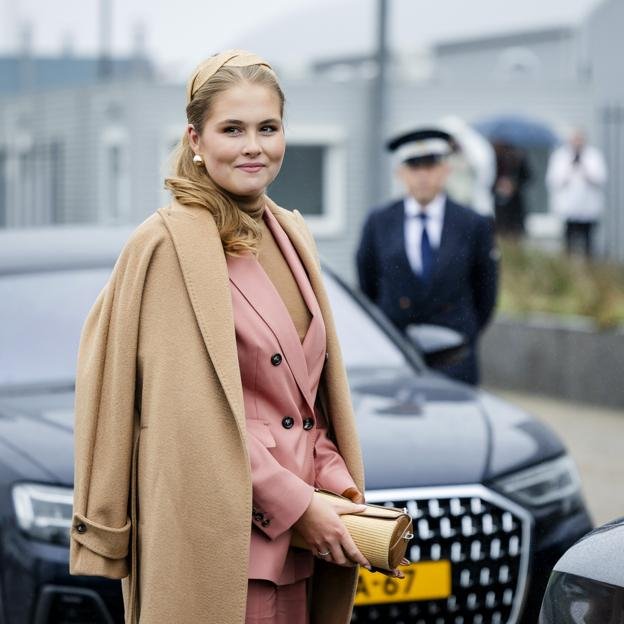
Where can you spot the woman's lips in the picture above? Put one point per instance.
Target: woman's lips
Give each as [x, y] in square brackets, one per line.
[251, 167]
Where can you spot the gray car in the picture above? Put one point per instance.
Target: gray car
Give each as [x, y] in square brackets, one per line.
[587, 584]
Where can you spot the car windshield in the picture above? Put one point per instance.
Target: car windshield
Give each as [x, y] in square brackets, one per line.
[363, 342]
[42, 315]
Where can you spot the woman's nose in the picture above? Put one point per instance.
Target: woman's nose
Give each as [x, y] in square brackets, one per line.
[252, 146]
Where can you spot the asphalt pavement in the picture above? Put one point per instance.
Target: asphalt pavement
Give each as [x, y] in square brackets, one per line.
[594, 437]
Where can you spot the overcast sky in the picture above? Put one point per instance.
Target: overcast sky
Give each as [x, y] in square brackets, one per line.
[179, 33]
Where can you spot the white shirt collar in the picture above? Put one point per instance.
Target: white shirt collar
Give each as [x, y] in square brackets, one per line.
[434, 209]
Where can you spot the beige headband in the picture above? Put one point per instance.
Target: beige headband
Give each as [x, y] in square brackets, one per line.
[209, 67]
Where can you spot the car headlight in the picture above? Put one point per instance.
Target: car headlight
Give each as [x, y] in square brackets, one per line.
[546, 483]
[44, 512]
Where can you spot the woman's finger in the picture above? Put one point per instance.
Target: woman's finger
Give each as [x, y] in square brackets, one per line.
[353, 552]
[391, 573]
[342, 507]
[337, 554]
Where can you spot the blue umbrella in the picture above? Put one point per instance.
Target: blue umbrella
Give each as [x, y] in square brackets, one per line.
[518, 131]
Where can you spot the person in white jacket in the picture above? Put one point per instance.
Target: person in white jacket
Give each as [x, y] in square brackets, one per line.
[473, 166]
[576, 177]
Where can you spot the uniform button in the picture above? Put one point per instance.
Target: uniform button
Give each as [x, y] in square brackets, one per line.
[81, 528]
[308, 423]
[288, 422]
[258, 516]
[265, 523]
[276, 359]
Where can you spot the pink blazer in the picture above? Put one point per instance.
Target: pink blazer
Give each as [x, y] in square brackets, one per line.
[289, 449]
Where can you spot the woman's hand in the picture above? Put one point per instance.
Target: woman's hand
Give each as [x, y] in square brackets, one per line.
[321, 527]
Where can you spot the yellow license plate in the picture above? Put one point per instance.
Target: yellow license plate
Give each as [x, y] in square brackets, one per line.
[428, 580]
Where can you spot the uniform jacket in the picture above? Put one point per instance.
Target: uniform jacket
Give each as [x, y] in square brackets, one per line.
[287, 438]
[461, 292]
[163, 488]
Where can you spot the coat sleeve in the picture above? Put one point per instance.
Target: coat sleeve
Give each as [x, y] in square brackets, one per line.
[485, 272]
[366, 261]
[105, 416]
[595, 168]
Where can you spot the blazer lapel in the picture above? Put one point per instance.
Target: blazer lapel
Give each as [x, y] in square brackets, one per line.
[202, 261]
[254, 284]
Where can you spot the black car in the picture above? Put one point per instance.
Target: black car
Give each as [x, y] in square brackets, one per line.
[587, 584]
[494, 497]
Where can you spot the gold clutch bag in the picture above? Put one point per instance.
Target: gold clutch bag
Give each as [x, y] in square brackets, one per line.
[381, 533]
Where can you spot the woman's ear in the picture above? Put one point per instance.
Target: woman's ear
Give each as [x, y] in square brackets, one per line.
[193, 137]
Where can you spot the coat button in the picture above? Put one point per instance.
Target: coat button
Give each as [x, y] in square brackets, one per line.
[258, 516]
[308, 423]
[81, 528]
[265, 523]
[288, 422]
[276, 359]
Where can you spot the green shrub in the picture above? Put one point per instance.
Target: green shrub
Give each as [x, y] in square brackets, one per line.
[534, 280]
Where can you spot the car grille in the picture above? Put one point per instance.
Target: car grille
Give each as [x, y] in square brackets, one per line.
[485, 537]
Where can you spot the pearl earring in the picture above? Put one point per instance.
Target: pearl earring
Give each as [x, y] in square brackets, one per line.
[198, 160]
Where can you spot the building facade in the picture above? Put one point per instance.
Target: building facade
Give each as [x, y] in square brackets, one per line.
[100, 152]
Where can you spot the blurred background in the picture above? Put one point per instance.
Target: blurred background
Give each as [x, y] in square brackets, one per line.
[92, 103]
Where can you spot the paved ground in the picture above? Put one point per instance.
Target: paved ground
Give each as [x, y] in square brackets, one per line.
[595, 438]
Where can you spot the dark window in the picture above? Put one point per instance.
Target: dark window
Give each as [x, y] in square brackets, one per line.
[300, 183]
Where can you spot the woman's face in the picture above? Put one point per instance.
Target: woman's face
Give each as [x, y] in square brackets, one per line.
[242, 142]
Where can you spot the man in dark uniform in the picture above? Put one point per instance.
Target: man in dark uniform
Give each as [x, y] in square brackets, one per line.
[426, 259]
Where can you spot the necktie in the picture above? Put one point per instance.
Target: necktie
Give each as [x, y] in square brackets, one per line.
[426, 252]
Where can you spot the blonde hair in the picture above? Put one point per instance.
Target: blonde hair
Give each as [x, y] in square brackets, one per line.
[192, 185]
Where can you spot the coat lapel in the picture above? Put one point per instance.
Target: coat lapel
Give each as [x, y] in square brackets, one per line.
[202, 261]
[314, 341]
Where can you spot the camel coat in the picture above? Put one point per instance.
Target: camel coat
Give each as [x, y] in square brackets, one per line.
[163, 495]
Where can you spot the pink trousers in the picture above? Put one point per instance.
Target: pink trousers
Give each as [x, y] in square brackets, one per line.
[268, 603]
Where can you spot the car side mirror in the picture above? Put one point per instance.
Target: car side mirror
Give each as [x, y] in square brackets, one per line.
[440, 346]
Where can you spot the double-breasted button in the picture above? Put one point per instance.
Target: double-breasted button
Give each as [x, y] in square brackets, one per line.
[288, 422]
[258, 516]
[265, 523]
[308, 423]
[81, 528]
[276, 359]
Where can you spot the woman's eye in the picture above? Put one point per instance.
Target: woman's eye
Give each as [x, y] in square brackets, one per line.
[232, 130]
[268, 129]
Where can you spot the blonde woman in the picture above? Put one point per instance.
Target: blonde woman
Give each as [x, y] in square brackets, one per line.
[211, 396]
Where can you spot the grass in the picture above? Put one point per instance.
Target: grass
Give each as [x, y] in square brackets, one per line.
[533, 280]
